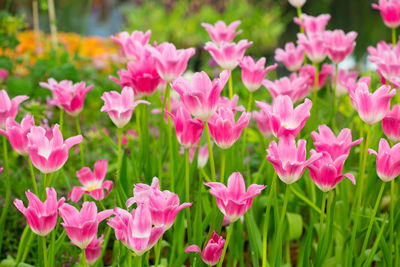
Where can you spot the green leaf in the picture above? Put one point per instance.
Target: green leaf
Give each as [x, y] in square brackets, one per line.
[19, 86]
[295, 222]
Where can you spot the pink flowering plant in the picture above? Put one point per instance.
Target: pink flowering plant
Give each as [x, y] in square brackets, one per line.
[190, 142]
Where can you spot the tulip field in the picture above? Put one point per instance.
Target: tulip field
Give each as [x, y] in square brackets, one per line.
[146, 157]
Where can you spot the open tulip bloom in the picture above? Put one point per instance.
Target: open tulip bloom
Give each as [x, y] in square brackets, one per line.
[211, 253]
[93, 183]
[391, 124]
[387, 160]
[339, 45]
[129, 42]
[292, 57]
[233, 200]
[296, 87]
[9, 107]
[227, 55]
[313, 24]
[313, 45]
[93, 250]
[220, 32]
[390, 12]
[17, 134]
[253, 73]
[41, 216]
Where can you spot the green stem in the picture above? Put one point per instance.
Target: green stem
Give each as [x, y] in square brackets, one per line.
[394, 36]
[61, 121]
[260, 170]
[44, 185]
[316, 81]
[223, 163]
[187, 196]
[78, 129]
[119, 156]
[377, 203]
[230, 86]
[321, 218]
[210, 152]
[44, 250]
[101, 205]
[359, 196]
[35, 189]
[228, 237]
[205, 175]
[299, 16]
[138, 260]
[7, 189]
[266, 222]
[391, 218]
[305, 199]
[249, 104]
[158, 252]
[280, 226]
[334, 108]
[169, 134]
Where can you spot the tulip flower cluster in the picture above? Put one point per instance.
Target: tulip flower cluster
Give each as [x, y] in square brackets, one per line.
[296, 152]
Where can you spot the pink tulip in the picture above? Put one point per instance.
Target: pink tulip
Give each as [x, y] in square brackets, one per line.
[284, 119]
[223, 128]
[163, 205]
[171, 62]
[372, 107]
[227, 55]
[41, 216]
[387, 59]
[120, 106]
[17, 134]
[262, 119]
[135, 229]
[292, 57]
[295, 87]
[327, 173]
[200, 96]
[141, 75]
[390, 12]
[93, 250]
[231, 104]
[9, 107]
[188, 131]
[297, 3]
[326, 141]
[288, 160]
[387, 160]
[352, 86]
[307, 72]
[344, 78]
[313, 45]
[129, 42]
[202, 156]
[93, 182]
[233, 201]
[212, 251]
[3, 74]
[66, 95]
[313, 24]
[49, 153]
[253, 73]
[81, 226]
[339, 45]
[220, 32]
[391, 124]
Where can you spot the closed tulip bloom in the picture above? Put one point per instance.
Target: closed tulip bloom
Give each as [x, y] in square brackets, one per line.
[286, 120]
[202, 156]
[227, 55]
[163, 205]
[387, 160]
[344, 78]
[372, 107]
[141, 76]
[262, 119]
[49, 153]
[9, 107]
[223, 128]
[135, 229]
[93, 250]
[292, 57]
[41, 216]
[391, 124]
[313, 45]
[339, 45]
[120, 106]
[67, 95]
[253, 73]
[313, 24]
[93, 183]
[81, 226]
[220, 32]
[390, 12]
[326, 141]
[327, 173]
[295, 87]
[128, 42]
[188, 130]
[17, 134]
[212, 251]
[200, 96]
[297, 3]
[288, 160]
[233, 201]
[171, 62]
